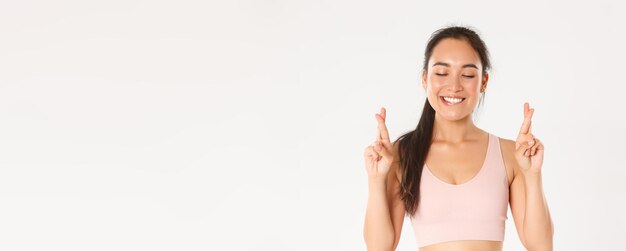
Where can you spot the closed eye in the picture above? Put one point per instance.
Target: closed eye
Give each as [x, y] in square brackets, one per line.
[445, 74]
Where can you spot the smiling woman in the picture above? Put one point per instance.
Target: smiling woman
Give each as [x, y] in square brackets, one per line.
[459, 200]
[456, 65]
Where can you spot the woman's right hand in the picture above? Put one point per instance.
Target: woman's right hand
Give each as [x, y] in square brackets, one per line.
[378, 156]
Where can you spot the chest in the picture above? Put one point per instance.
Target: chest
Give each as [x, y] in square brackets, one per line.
[458, 163]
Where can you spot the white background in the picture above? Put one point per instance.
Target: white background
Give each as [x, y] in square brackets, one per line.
[240, 125]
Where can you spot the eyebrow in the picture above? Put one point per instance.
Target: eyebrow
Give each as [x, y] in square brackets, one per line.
[448, 65]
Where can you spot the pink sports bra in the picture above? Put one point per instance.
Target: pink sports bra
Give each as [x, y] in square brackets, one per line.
[474, 210]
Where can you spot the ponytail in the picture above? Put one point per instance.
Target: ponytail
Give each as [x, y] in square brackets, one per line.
[412, 149]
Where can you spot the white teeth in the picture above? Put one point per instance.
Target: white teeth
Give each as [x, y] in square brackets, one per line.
[453, 100]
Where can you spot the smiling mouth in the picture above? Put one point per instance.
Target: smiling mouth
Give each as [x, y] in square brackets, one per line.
[451, 101]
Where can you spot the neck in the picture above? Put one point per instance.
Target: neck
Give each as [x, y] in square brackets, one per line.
[454, 131]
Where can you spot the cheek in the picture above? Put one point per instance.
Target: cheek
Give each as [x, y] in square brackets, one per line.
[435, 84]
[472, 85]
[432, 88]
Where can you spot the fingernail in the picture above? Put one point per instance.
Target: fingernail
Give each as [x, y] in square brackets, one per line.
[530, 142]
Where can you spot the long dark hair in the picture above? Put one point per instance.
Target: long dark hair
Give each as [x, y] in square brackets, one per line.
[414, 145]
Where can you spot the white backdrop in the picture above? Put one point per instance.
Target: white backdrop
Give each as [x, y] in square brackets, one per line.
[240, 125]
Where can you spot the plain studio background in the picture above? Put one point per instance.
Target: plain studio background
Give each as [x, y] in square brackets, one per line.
[241, 125]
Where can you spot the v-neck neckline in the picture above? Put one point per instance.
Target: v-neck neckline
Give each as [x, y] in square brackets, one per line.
[482, 167]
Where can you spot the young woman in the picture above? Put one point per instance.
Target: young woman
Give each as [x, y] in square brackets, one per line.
[453, 179]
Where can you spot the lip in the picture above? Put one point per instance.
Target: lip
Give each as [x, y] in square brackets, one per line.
[451, 104]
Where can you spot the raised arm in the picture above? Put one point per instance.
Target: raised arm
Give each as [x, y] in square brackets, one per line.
[528, 203]
[385, 210]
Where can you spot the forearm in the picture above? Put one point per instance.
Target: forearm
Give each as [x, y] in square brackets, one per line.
[378, 230]
[538, 228]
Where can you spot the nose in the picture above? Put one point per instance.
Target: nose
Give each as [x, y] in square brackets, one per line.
[455, 85]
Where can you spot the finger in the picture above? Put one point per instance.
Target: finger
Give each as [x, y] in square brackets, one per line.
[383, 113]
[540, 146]
[522, 139]
[383, 133]
[527, 117]
[371, 153]
[528, 145]
[533, 150]
[368, 152]
[382, 150]
[527, 120]
[530, 125]
[523, 149]
[375, 155]
[526, 108]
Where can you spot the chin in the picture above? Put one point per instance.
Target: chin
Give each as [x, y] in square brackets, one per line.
[452, 116]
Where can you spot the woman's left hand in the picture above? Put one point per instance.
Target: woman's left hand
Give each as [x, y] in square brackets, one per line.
[528, 149]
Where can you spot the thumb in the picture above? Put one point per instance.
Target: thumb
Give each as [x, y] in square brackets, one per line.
[522, 149]
[382, 150]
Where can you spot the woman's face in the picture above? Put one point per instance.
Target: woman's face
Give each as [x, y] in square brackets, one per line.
[453, 81]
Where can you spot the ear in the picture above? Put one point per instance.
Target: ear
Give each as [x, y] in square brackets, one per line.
[483, 86]
[424, 79]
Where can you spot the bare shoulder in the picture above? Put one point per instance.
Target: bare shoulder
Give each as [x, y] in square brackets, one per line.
[507, 148]
[507, 145]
